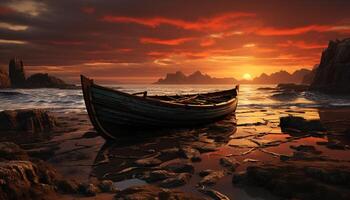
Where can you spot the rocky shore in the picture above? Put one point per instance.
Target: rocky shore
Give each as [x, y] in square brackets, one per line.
[302, 155]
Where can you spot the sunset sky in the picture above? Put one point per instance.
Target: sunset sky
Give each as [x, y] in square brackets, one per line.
[138, 41]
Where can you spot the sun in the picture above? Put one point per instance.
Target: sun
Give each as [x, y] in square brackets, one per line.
[247, 76]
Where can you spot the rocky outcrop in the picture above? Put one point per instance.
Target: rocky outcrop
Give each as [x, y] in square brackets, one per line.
[195, 78]
[11, 151]
[309, 78]
[17, 79]
[294, 182]
[42, 80]
[4, 80]
[229, 163]
[288, 87]
[298, 124]
[152, 192]
[33, 121]
[25, 180]
[176, 181]
[333, 73]
[16, 73]
[210, 177]
[24, 177]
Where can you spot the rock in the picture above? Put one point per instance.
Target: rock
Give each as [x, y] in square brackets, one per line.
[25, 180]
[148, 162]
[90, 134]
[250, 160]
[67, 186]
[239, 177]
[157, 175]
[293, 182]
[333, 176]
[11, 151]
[333, 72]
[309, 78]
[306, 148]
[304, 155]
[41, 80]
[204, 147]
[285, 157]
[17, 78]
[301, 124]
[4, 80]
[89, 189]
[212, 178]
[16, 73]
[285, 96]
[33, 121]
[179, 180]
[107, 186]
[205, 172]
[190, 153]
[152, 192]
[266, 88]
[215, 195]
[292, 87]
[43, 153]
[336, 144]
[180, 167]
[170, 153]
[230, 163]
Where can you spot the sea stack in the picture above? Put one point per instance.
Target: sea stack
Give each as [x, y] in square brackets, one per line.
[16, 73]
[333, 73]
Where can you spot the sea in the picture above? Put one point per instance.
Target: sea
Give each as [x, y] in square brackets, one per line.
[250, 96]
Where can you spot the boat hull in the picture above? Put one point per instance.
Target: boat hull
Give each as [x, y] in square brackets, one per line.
[111, 110]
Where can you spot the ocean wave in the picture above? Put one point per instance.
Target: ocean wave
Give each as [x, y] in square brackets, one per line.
[285, 96]
[250, 97]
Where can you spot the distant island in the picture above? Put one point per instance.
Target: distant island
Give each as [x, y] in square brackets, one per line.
[282, 76]
[195, 78]
[198, 77]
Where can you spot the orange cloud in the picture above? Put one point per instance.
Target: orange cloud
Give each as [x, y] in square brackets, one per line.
[171, 42]
[249, 45]
[207, 42]
[302, 45]
[300, 30]
[220, 22]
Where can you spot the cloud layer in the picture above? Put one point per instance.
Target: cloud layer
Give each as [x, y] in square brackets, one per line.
[140, 40]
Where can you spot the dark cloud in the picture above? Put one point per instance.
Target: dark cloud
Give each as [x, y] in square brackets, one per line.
[167, 35]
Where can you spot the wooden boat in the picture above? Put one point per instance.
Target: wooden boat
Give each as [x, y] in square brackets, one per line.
[111, 110]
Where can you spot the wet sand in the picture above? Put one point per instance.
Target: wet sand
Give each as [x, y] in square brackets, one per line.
[251, 137]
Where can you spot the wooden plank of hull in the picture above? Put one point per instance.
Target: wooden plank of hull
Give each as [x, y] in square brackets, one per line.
[155, 111]
[136, 119]
[108, 108]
